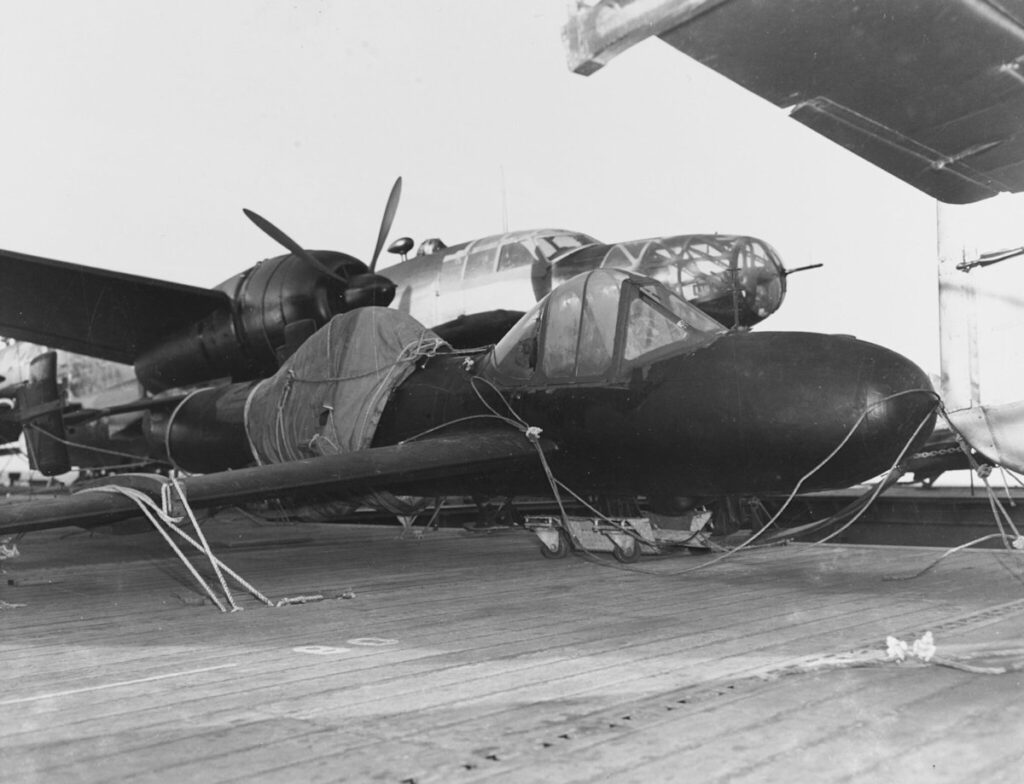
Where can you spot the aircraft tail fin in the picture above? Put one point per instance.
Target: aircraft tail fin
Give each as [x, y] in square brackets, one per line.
[39, 406]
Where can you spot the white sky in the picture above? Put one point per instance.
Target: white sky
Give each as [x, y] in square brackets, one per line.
[133, 133]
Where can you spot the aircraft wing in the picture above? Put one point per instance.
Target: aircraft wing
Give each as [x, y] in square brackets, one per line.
[932, 91]
[416, 467]
[109, 315]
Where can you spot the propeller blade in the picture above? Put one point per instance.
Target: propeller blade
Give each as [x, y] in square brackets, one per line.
[386, 221]
[289, 244]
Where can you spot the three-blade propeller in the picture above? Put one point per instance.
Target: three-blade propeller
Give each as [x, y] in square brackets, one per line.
[367, 288]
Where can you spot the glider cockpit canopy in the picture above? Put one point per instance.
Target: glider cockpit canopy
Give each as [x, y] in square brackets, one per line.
[596, 328]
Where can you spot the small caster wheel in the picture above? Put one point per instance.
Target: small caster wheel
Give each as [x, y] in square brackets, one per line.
[560, 551]
[630, 554]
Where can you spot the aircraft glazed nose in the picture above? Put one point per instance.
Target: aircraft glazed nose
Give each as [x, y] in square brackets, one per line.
[769, 407]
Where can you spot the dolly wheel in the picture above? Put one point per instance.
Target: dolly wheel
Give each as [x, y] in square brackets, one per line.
[630, 555]
[560, 551]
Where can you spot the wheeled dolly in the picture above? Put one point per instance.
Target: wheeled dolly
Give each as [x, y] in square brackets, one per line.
[624, 538]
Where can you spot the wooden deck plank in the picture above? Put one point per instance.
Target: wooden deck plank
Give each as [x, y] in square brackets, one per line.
[351, 698]
[497, 649]
[487, 632]
[613, 751]
[572, 647]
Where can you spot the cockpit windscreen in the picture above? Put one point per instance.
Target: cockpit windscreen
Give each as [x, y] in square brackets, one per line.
[576, 333]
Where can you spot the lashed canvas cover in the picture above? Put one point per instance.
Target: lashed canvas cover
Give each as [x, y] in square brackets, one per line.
[329, 395]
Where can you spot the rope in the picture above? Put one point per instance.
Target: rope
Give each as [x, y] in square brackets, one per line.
[893, 474]
[424, 347]
[518, 422]
[158, 518]
[1014, 542]
[214, 563]
[86, 447]
[161, 519]
[533, 433]
[924, 649]
[949, 552]
[729, 553]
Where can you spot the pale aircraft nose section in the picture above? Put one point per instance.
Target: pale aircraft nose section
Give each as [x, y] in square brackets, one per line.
[768, 408]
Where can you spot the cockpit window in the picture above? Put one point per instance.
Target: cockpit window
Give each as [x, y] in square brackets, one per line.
[516, 353]
[563, 328]
[555, 246]
[581, 324]
[576, 333]
[659, 318]
[597, 331]
[480, 258]
[513, 254]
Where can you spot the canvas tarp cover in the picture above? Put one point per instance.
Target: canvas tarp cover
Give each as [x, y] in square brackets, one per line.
[329, 395]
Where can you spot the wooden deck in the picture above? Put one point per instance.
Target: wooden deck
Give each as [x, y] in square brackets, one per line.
[470, 658]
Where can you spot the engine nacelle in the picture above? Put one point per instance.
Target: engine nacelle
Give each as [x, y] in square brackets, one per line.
[275, 306]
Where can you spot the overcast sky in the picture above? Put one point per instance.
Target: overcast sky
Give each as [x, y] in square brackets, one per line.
[134, 132]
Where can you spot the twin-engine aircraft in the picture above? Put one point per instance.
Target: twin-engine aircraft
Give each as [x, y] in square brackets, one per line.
[179, 336]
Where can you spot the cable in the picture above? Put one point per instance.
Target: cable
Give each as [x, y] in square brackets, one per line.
[893, 474]
[86, 447]
[161, 519]
[1014, 543]
[521, 424]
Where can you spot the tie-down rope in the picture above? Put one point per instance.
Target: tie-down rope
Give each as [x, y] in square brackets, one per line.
[162, 519]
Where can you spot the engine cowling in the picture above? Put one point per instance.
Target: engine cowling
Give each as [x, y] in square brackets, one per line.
[275, 306]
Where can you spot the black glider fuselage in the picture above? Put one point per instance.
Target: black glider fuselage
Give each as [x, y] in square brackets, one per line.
[751, 413]
[712, 413]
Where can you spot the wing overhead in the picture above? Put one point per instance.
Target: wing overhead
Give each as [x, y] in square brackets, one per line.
[932, 91]
[110, 315]
[417, 467]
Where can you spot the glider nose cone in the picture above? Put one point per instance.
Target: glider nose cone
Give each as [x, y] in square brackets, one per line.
[758, 411]
[896, 399]
[870, 399]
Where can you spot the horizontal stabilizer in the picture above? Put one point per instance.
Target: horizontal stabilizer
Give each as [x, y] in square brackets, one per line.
[109, 315]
